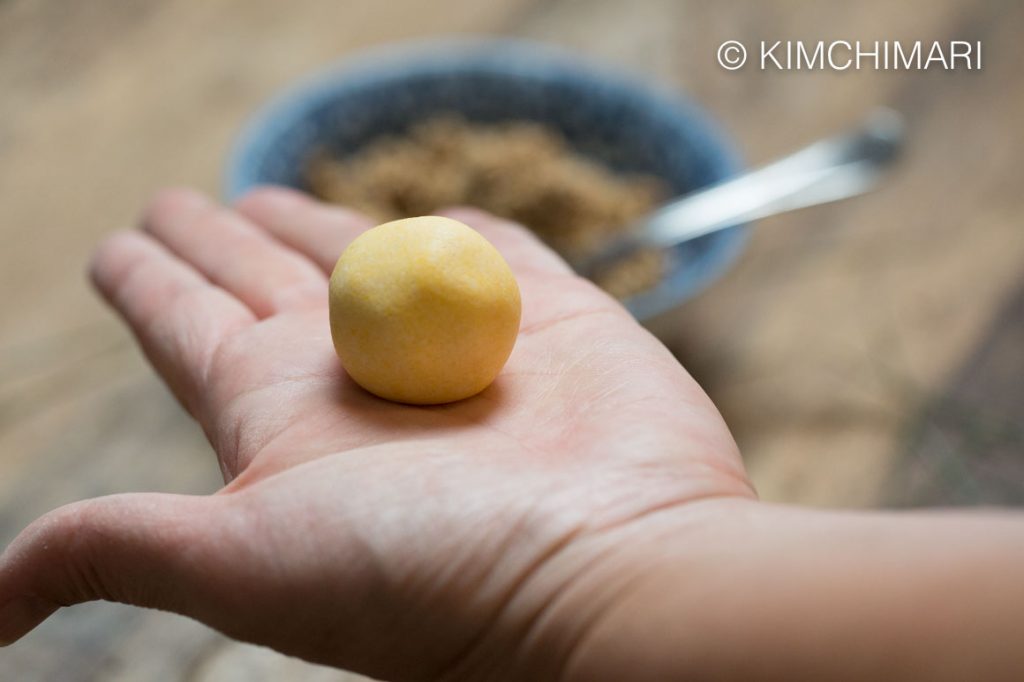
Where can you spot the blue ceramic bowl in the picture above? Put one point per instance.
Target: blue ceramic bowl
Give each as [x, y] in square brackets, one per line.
[605, 116]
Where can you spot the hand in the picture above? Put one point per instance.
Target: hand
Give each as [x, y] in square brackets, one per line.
[463, 540]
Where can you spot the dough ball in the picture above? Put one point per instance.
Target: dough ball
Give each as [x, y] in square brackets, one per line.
[423, 311]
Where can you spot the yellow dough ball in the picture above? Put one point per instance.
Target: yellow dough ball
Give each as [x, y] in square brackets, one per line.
[423, 311]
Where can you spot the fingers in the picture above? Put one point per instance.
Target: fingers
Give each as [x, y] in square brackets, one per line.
[318, 231]
[151, 550]
[321, 232]
[234, 254]
[178, 317]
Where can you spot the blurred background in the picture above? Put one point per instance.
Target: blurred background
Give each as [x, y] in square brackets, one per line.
[867, 353]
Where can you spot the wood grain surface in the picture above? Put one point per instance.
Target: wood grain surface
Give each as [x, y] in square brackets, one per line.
[865, 353]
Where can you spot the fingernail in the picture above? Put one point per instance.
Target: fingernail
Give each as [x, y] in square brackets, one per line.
[20, 615]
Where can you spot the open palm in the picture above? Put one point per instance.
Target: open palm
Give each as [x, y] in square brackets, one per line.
[401, 541]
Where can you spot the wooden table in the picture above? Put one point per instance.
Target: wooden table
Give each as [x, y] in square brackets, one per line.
[868, 353]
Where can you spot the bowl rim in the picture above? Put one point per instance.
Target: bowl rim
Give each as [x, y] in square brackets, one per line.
[509, 57]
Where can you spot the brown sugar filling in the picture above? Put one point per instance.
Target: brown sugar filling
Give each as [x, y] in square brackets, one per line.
[519, 170]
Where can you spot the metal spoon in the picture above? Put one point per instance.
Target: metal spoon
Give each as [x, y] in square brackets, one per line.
[832, 169]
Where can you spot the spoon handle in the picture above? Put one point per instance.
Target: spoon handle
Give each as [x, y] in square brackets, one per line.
[828, 170]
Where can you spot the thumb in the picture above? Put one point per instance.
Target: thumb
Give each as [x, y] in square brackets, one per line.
[145, 549]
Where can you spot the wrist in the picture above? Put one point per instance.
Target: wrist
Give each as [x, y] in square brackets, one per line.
[555, 624]
[773, 592]
[639, 599]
